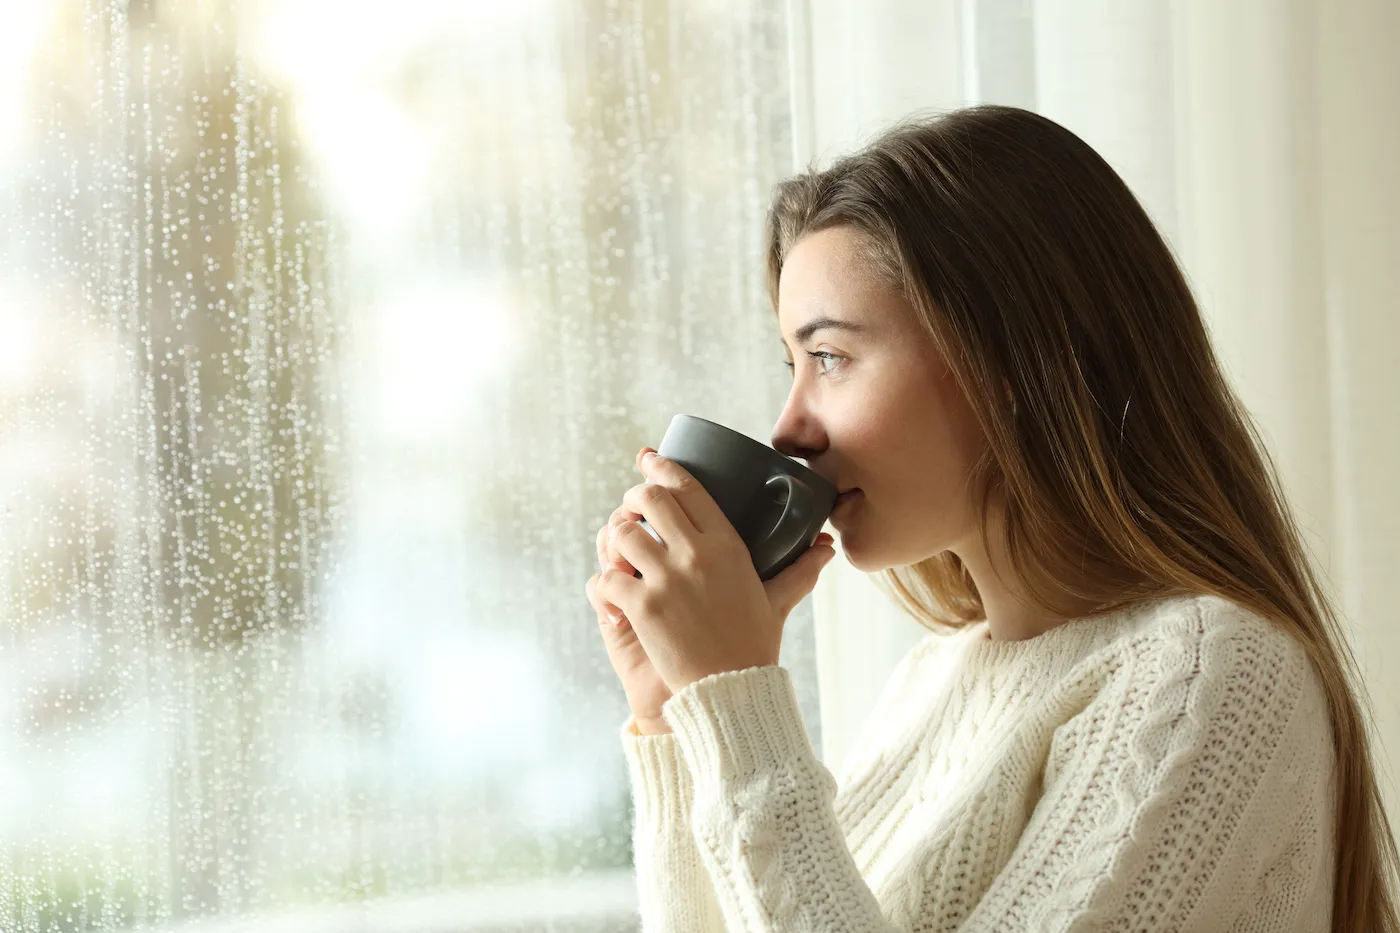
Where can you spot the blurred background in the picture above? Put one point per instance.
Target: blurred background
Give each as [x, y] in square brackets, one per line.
[329, 332]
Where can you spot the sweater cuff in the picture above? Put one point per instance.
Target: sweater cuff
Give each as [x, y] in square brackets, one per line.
[736, 723]
[661, 785]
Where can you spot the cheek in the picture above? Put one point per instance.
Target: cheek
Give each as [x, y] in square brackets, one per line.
[937, 442]
[962, 435]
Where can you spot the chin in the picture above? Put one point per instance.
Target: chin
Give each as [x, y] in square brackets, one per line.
[867, 562]
[870, 566]
[860, 560]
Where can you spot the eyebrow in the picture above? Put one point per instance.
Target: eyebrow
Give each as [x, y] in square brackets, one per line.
[804, 332]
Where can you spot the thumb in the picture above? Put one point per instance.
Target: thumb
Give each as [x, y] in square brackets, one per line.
[788, 588]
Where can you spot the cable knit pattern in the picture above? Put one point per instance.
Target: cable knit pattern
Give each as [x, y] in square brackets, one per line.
[1166, 767]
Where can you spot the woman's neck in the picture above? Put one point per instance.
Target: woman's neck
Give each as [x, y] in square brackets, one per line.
[1010, 618]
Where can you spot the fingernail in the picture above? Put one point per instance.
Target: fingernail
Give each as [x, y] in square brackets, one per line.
[648, 457]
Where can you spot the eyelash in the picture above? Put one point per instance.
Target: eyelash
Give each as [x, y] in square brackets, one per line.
[817, 354]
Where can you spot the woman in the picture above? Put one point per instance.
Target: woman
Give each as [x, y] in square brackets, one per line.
[1135, 709]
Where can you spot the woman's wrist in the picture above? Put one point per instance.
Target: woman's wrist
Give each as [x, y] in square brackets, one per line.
[651, 726]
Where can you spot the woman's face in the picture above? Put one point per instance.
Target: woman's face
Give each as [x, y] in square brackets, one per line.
[879, 412]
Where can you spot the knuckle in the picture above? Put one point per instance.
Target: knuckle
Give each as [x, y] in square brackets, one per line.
[651, 493]
[689, 560]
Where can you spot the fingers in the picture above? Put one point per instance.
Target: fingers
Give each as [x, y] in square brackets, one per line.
[602, 610]
[630, 542]
[605, 559]
[798, 580]
[591, 590]
[663, 513]
[620, 514]
[606, 611]
[617, 559]
[699, 507]
[624, 514]
[617, 588]
[608, 555]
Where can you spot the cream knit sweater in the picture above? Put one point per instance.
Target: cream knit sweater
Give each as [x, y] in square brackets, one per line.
[1167, 767]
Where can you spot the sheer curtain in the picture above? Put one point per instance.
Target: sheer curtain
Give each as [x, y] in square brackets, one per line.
[328, 333]
[1262, 138]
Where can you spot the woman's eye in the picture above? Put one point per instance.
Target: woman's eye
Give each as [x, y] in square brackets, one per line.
[822, 355]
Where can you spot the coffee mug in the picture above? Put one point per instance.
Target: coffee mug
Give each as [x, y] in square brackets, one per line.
[777, 505]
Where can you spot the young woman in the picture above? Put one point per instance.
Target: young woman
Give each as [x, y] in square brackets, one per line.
[1135, 709]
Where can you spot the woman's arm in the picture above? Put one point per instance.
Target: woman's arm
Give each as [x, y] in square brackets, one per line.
[674, 891]
[762, 813]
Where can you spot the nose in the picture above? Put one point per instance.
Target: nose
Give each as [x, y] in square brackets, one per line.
[797, 433]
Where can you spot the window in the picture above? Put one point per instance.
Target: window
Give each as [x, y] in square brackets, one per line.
[328, 333]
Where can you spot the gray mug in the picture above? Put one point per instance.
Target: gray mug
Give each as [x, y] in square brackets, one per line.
[777, 505]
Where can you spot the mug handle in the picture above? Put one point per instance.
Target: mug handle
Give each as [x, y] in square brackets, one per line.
[788, 531]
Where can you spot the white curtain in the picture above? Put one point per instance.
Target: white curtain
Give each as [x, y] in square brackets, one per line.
[328, 335]
[1264, 139]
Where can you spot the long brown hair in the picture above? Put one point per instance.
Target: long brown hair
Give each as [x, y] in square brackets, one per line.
[1122, 465]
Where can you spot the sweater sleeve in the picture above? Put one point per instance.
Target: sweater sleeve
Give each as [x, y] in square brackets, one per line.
[1194, 794]
[762, 817]
[674, 892]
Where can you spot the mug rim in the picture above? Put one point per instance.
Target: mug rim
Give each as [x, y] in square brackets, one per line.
[806, 472]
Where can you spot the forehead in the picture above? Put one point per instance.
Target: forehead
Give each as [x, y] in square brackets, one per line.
[826, 274]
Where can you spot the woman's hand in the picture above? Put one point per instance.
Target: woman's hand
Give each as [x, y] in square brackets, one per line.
[646, 692]
[699, 607]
